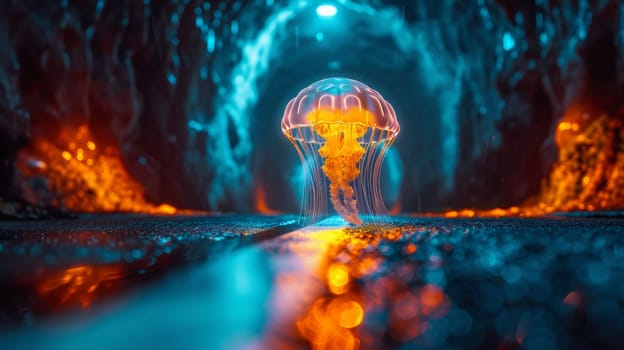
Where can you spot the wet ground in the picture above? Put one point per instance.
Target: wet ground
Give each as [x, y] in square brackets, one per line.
[254, 282]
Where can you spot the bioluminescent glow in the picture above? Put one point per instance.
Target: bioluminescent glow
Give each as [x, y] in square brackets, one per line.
[342, 128]
[326, 10]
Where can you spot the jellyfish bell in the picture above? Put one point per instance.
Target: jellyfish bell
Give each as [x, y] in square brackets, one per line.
[341, 129]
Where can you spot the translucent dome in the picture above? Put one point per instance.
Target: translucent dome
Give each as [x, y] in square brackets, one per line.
[339, 101]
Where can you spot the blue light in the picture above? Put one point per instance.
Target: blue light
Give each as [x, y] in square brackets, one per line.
[326, 10]
[172, 78]
[508, 42]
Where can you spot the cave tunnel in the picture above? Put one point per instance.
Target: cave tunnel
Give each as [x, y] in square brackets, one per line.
[340, 174]
[328, 47]
[190, 97]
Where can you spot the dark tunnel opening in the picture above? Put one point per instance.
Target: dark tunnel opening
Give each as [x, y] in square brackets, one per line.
[324, 51]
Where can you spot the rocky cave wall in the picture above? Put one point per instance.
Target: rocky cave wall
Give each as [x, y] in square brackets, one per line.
[191, 92]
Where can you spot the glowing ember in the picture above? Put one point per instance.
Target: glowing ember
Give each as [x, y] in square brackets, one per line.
[85, 176]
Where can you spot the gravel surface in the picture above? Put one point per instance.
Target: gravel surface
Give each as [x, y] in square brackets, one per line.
[431, 283]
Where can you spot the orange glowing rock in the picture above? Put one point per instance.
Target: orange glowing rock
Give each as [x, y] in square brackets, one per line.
[350, 126]
[587, 176]
[86, 177]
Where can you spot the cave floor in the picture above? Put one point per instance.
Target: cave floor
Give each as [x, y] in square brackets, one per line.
[258, 282]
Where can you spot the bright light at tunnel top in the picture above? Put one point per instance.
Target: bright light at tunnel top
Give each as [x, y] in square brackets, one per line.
[326, 10]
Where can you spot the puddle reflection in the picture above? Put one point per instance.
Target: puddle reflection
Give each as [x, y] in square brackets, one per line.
[365, 288]
[474, 284]
[78, 285]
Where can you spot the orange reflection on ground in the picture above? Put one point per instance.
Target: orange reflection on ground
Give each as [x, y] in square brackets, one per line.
[336, 319]
[329, 323]
[495, 213]
[76, 285]
[433, 300]
[337, 278]
[86, 176]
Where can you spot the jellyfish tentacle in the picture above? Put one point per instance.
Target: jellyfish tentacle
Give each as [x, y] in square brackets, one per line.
[350, 204]
[341, 209]
[351, 173]
[342, 198]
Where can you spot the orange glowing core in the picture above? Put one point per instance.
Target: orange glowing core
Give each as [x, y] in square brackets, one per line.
[341, 153]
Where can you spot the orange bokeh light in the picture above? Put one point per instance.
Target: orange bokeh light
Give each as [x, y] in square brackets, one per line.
[337, 318]
[345, 312]
[337, 278]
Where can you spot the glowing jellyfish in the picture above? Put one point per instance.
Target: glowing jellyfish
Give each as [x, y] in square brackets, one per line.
[343, 127]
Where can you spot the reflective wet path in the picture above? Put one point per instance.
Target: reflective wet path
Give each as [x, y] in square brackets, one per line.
[254, 282]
